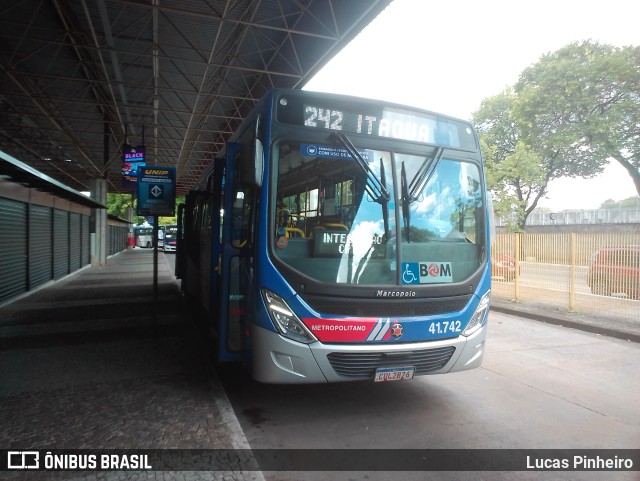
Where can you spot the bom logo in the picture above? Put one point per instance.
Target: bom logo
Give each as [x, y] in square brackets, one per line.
[429, 272]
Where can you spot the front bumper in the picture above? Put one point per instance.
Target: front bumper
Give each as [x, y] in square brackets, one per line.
[279, 360]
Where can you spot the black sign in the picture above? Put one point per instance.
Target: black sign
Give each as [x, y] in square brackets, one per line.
[329, 243]
[334, 243]
[132, 160]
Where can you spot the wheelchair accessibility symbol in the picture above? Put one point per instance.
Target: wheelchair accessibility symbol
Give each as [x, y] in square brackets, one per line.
[410, 273]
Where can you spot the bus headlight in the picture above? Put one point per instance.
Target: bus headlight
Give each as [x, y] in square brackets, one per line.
[285, 319]
[479, 318]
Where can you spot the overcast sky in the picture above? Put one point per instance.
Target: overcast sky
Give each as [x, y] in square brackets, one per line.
[448, 56]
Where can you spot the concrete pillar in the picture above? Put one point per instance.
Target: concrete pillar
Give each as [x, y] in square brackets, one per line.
[98, 190]
[129, 218]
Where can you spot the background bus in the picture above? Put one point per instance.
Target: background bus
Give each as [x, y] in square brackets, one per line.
[350, 239]
[143, 236]
[170, 238]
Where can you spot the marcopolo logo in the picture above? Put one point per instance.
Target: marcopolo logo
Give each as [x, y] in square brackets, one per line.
[428, 272]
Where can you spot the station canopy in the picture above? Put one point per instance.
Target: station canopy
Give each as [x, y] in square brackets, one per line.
[82, 79]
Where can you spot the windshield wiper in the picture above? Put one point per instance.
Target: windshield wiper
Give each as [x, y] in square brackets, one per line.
[411, 190]
[426, 170]
[406, 202]
[374, 186]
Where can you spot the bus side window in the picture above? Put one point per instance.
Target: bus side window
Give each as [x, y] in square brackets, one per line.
[242, 227]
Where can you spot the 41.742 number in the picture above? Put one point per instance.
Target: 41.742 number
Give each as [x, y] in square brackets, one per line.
[445, 327]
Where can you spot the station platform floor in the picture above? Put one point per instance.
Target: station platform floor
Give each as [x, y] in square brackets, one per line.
[85, 365]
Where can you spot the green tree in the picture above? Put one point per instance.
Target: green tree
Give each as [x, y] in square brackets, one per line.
[117, 204]
[628, 203]
[582, 107]
[162, 220]
[568, 114]
[517, 175]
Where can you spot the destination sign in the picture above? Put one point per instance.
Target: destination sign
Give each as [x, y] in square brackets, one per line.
[391, 123]
[376, 119]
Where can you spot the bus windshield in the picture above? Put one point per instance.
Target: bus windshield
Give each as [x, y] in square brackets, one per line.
[401, 219]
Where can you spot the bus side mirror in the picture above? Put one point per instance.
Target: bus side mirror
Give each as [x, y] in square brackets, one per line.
[258, 155]
[249, 163]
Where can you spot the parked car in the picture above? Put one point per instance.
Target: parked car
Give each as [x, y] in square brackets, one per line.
[503, 266]
[615, 270]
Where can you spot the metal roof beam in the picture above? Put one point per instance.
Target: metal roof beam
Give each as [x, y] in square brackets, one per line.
[222, 18]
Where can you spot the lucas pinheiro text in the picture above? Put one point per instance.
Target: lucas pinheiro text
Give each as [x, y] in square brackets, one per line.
[579, 463]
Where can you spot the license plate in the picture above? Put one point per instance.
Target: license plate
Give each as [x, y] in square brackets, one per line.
[384, 374]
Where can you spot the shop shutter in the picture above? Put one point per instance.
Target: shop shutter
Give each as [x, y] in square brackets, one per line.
[86, 239]
[75, 253]
[40, 245]
[13, 248]
[60, 243]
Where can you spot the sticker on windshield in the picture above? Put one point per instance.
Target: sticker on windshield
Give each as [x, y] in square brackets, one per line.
[430, 272]
[330, 152]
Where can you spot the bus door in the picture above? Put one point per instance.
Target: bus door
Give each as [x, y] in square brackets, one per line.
[216, 195]
[235, 283]
[190, 255]
[180, 251]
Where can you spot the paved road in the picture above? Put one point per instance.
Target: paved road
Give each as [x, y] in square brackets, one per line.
[540, 387]
[553, 276]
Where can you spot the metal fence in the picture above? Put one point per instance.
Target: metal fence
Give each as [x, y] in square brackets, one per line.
[575, 217]
[564, 270]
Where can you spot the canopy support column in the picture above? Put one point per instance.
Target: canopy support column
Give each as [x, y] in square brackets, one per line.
[98, 190]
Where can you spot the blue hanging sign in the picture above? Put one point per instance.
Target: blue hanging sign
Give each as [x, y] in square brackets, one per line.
[156, 191]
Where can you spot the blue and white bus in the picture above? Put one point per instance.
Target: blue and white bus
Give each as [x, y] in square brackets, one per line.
[170, 238]
[342, 239]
